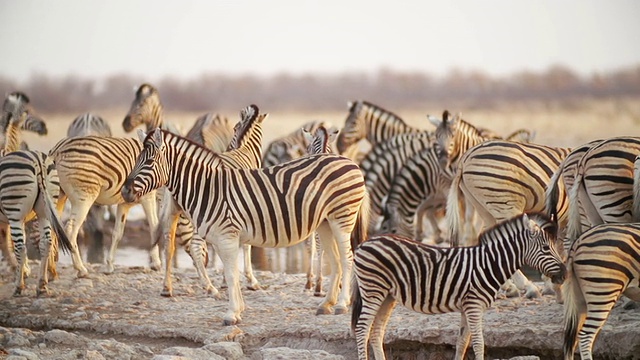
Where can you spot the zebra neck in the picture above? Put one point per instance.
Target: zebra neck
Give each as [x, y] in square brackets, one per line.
[156, 120]
[387, 126]
[503, 257]
[189, 161]
[12, 138]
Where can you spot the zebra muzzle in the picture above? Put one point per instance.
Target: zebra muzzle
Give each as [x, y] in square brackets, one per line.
[559, 276]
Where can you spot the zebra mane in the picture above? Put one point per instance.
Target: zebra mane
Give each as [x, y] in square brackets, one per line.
[248, 117]
[546, 223]
[145, 90]
[178, 140]
[392, 116]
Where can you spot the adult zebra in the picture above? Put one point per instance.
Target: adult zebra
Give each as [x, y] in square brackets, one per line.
[243, 151]
[501, 179]
[147, 109]
[603, 264]
[432, 280]
[371, 122]
[277, 206]
[603, 187]
[92, 170]
[291, 146]
[94, 226]
[14, 103]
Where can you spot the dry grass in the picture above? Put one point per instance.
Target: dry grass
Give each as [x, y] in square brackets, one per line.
[556, 125]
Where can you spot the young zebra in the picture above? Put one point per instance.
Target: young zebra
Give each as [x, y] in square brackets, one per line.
[603, 187]
[244, 150]
[28, 182]
[92, 170]
[501, 179]
[603, 264]
[94, 226]
[319, 143]
[371, 122]
[14, 103]
[391, 269]
[274, 207]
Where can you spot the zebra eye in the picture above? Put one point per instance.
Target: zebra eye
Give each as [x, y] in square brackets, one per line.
[546, 247]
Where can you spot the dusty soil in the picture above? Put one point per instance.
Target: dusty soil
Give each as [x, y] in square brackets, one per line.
[126, 312]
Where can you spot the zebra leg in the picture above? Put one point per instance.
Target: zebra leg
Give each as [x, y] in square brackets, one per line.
[346, 259]
[463, 337]
[20, 251]
[379, 326]
[598, 310]
[331, 249]
[473, 313]
[228, 249]
[169, 236]
[197, 251]
[79, 211]
[248, 269]
[149, 205]
[510, 289]
[45, 250]
[523, 283]
[318, 263]
[7, 248]
[369, 307]
[310, 244]
[116, 235]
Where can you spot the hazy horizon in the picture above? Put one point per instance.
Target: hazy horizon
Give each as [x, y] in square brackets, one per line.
[159, 39]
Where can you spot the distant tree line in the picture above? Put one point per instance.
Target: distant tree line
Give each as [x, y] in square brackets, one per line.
[389, 88]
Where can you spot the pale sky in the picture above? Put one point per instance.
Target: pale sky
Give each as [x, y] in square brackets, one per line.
[187, 38]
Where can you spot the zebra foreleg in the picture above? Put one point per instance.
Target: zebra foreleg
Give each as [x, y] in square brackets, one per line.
[198, 252]
[169, 236]
[228, 249]
[331, 250]
[346, 266]
[149, 205]
[473, 314]
[463, 337]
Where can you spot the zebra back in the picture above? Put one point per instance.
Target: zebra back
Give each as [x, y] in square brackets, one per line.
[291, 146]
[603, 187]
[212, 131]
[88, 124]
[368, 121]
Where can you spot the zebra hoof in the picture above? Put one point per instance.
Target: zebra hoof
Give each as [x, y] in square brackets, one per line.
[512, 293]
[532, 294]
[308, 285]
[166, 292]
[155, 267]
[631, 305]
[254, 287]
[339, 310]
[42, 291]
[18, 292]
[231, 321]
[319, 294]
[108, 269]
[324, 311]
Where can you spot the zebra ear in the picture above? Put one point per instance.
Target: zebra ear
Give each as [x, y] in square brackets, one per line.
[333, 133]
[307, 135]
[349, 104]
[141, 135]
[434, 120]
[533, 226]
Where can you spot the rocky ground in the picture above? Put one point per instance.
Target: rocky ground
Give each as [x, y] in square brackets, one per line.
[123, 316]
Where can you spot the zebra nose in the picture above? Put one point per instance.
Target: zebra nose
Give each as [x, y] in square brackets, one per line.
[126, 124]
[127, 191]
[559, 276]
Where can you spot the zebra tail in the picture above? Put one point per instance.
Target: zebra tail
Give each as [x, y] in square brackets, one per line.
[360, 231]
[44, 182]
[551, 202]
[574, 227]
[455, 209]
[574, 311]
[356, 304]
[635, 209]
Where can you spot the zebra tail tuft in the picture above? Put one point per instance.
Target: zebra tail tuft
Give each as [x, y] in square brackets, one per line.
[455, 209]
[574, 226]
[43, 183]
[551, 202]
[574, 311]
[360, 231]
[356, 304]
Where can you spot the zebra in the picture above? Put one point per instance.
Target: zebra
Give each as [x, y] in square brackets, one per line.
[92, 170]
[243, 151]
[319, 143]
[213, 131]
[432, 280]
[147, 109]
[501, 179]
[277, 206]
[14, 102]
[371, 122]
[28, 182]
[603, 186]
[291, 146]
[603, 264]
[84, 125]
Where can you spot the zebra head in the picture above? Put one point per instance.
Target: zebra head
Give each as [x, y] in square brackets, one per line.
[151, 169]
[242, 131]
[320, 141]
[539, 249]
[144, 108]
[15, 109]
[354, 127]
[445, 134]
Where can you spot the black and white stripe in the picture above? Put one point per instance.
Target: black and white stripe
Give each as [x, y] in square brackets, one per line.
[146, 109]
[277, 206]
[391, 269]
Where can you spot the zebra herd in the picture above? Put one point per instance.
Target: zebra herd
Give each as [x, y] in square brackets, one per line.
[569, 213]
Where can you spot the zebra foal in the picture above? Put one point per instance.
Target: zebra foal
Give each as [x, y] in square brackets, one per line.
[432, 280]
[603, 264]
[278, 206]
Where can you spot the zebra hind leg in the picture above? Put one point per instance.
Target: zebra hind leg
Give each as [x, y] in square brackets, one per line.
[254, 284]
[379, 326]
[20, 252]
[331, 250]
[45, 247]
[116, 236]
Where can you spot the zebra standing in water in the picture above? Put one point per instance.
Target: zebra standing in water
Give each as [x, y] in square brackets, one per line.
[244, 150]
[94, 226]
[277, 206]
[603, 264]
[92, 170]
[319, 143]
[433, 280]
[501, 179]
[603, 187]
